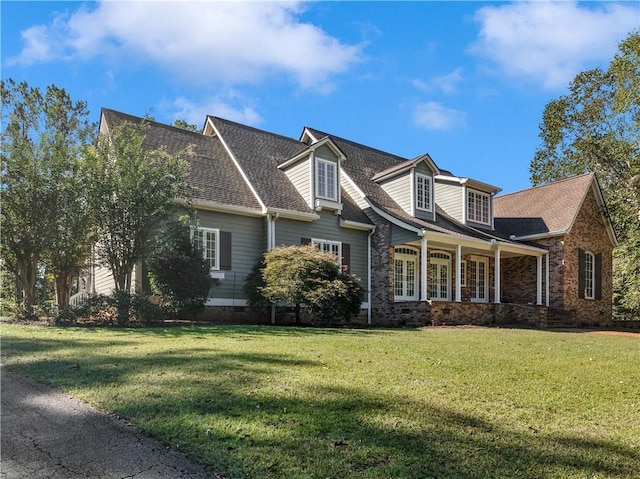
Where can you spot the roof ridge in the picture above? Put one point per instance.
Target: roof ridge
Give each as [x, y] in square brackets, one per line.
[355, 143]
[153, 122]
[551, 183]
[255, 129]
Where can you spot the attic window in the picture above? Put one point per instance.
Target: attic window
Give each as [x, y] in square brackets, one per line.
[478, 207]
[423, 192]
[326, 180]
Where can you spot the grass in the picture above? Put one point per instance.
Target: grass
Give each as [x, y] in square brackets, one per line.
[266, 402]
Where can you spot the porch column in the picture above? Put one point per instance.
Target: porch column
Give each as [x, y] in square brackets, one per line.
[496, 276]
[423, 268]
[459, 274]
[539, 282]
[546, 279]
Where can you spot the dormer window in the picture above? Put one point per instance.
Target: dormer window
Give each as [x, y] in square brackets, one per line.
[423, 193]
[326, 180]
[478, 207]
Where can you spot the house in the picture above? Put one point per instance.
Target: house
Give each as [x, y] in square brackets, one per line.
[429, 247]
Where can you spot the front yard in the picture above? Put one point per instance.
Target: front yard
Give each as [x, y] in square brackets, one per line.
[266, 402]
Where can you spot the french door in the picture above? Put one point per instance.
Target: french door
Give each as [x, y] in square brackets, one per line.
[440, 276]
[479, 279]
[405, 285]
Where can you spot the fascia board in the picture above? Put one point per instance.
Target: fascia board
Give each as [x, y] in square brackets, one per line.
[293, 215]
[470, 182]
[237, 165]
[356, 225]
[220, 207]
[538, 236]
[396, 221]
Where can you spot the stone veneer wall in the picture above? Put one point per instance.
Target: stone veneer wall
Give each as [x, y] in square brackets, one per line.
[487, 314]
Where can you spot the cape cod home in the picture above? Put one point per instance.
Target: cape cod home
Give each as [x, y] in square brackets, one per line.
[429, 246]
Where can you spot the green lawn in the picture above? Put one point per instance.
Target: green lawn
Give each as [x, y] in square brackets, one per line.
[267, 402]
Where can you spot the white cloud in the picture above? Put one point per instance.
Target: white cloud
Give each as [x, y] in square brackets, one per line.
[435, 116]
[550, 42]
[222, 106]
[202, 42]
[446, 84]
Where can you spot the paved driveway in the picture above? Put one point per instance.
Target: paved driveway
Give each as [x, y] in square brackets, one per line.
[46, 434]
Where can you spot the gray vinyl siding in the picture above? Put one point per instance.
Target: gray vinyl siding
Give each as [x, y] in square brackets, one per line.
[449, 198]
[300, 175]
[326, 153]
[327, 227]
[248, 242]
[399, 188]
[402, 236]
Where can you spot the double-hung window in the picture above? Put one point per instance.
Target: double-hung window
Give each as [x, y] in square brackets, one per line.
[589, 275]
[423, 192]
[326, 180]
[208, 241]
[478, 207]
[326, 246]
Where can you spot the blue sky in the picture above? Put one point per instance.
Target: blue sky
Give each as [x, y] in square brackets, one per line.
[465, 82]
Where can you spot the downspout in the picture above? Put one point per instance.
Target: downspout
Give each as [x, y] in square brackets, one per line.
[271, 244]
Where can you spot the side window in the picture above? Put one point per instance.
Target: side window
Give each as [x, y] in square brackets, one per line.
[589, 275]
[215, 246]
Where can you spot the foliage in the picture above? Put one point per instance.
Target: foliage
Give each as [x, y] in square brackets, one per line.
[132, 192]
[44, 218]
[179, 273]
[303, 275]
[186, 126]
[596, 127]
[120, 308]
[267, 403]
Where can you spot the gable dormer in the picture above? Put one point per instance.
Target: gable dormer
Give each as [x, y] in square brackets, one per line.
[315, 172]
[467, 200]
[411, 185]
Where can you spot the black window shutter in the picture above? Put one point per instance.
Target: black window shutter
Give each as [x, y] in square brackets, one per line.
[225, 250]
[598, 276]
[346, 257]
[305, 241]
[581, 272]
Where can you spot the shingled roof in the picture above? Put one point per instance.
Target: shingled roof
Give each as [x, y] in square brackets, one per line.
[211, 170]
[549, 209]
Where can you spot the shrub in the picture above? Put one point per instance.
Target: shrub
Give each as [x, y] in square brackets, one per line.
[298, 275]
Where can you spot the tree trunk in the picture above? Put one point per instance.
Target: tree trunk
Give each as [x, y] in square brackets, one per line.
[63, 284]
[27, 274]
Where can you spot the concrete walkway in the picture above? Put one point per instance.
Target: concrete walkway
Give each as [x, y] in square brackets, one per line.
[46, 434]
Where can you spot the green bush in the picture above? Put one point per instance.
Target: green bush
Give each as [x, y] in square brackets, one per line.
[302, 275]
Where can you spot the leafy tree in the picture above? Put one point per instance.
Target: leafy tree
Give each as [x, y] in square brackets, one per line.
[133, 188]
[179, 272]
[43, 216]
[186, 126]
[303, 275]
[596, 127]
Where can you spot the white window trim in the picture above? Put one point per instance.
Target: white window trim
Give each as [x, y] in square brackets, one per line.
[428, 181]
[404, 256]
[334, 179]
[317, 242]
[201, 231]
[482, 194]
[589, 279]
[463, 272]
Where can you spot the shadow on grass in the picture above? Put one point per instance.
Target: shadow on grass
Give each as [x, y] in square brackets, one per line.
[227, 410]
